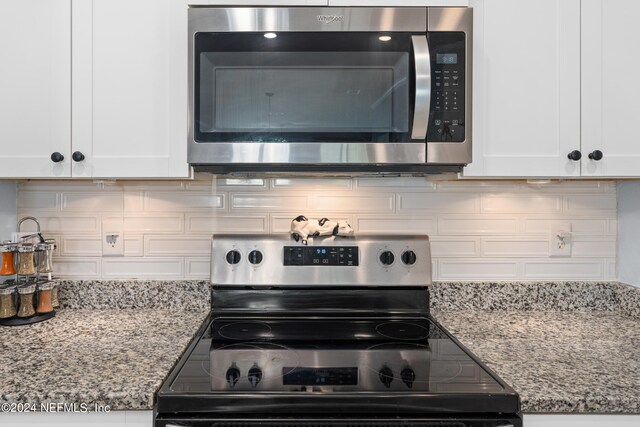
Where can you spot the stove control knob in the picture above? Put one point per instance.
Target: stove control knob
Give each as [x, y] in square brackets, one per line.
[255, 257]
[408, 377]
[386, 376]
[233, 257]
[255, 375]
[387, 258]
[233, 375]
[408, 257]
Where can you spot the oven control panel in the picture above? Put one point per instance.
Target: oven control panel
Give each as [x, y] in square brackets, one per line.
[278, 260]
[321, 255]
[447, 114]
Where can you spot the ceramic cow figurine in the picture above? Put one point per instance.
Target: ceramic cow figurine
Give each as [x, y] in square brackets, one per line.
[302, 228]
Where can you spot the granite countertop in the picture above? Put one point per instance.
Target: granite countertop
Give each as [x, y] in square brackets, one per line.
[566, 347]
[558, 362]
[106, 357]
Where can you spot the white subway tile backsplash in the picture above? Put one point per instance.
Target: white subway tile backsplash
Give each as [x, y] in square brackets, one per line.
[399, 183]
[515, 247]
[176, 245]
[580, 203]
[142, 268]
[454, 247]
[521, 204]
[41, 200]
[269, 201]
[593, 227]
[59, 223]
[419, 224]
[477, 269]
[80, 201]
[459, 203]
[80, 246]
[298, 184]
[182, 201]
[593, 247]
[568, 269]
[360, 202]
[77, 268]
[491, 230]
[208, 224]
[198, 268]
[154, 223]
[133, 245]
[468, 225]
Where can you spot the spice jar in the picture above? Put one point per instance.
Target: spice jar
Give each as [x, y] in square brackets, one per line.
[54, 296]
[26, 266]
[44, 298]
[8, 251]
[26, 300]
[7, 302]
[44, 257]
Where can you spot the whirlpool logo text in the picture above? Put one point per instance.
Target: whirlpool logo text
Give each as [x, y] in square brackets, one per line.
[328, 19]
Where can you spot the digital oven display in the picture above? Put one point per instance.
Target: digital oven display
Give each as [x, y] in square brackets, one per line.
[319, 376]
[321, 255]
[446, 58]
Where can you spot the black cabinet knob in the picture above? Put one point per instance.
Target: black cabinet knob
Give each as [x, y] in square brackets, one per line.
[233, 257]
[596, 155]
[575, 155]
[387, 258]
[255, 257]
[386, 376]
[57, 157]
[408, 257]
[77, 156]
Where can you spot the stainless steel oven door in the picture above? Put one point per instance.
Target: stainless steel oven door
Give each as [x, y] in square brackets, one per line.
[316, 86]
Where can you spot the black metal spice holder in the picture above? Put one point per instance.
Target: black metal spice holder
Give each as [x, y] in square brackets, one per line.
[21, 280]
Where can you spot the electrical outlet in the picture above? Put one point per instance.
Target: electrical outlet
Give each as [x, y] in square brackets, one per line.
[560, 239]
[113, 238]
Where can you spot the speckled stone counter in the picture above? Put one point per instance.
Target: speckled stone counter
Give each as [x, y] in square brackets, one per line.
[106, 357]
[582, 357]
[566, 347]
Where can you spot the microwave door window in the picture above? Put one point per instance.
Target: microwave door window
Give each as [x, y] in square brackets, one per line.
[291, 96]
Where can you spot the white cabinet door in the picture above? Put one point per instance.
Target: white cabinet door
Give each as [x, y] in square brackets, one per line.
[398, 3]
[35, 88]
[526, 106]
[610, 87]
[258, 2]
[130, 88]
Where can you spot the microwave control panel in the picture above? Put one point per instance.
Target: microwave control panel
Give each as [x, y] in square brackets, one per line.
[447, 114]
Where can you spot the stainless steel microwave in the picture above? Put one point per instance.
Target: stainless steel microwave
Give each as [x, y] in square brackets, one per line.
[321, 89]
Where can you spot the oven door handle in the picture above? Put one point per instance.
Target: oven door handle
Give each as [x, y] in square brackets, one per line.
[422, 104]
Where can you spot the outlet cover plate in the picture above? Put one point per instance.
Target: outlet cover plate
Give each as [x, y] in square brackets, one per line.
[556, 246]
[113, 237]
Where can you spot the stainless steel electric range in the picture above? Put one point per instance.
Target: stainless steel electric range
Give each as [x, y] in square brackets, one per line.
[336, 332]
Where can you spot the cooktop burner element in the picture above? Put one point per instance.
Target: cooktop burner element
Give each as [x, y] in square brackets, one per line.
[245, 330]
[402, 331]
[291, 338]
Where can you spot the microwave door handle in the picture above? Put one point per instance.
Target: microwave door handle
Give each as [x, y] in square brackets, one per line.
[422, 105]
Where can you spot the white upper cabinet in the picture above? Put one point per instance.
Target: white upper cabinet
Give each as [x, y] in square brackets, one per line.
[610, 87]
[526, 106]
[130, 88]
[398, 3]
[35, 88]
[257, 2]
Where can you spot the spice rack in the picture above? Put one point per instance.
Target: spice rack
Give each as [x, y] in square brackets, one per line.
[27, 293]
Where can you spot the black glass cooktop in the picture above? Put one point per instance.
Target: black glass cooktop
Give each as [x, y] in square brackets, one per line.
[329, 356]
